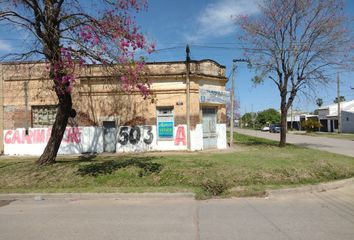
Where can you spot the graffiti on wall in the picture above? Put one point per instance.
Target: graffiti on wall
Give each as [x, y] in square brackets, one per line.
[39, 136]
[180, 136]
[134, 135]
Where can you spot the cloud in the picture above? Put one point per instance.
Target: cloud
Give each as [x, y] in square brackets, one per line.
[215, 20]
[5, 46]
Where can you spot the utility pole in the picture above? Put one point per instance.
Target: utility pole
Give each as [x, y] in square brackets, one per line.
[188, 59]
[338, 102]
[232, 103]
[234, 61]
[252, 116]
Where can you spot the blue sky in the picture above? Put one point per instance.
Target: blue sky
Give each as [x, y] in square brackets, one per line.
[207, 26]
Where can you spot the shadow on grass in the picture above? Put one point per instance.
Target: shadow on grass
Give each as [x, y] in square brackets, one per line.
[84, 157]
[108, 167]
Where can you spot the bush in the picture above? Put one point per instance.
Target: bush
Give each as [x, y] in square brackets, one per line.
[214, 187]
[310, 125]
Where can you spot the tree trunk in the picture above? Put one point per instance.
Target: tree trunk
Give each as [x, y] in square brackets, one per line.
[61, 119]
[283, 124]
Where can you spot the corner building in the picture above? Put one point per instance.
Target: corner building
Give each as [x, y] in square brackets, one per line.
[109, 119]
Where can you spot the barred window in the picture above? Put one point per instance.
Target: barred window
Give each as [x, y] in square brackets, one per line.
[43, 116]
[165, 123]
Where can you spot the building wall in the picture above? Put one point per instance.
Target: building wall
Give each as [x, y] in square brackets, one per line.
[98, 97]
[347, 121]
[78, 140]
[1, 109]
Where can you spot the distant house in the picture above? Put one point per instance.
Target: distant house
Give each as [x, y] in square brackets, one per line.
[296, 117]
[328, 117]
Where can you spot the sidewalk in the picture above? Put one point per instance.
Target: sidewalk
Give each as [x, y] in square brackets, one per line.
[317, 216]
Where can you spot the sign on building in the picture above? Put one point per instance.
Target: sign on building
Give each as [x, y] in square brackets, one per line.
[213, 96]
[165, 129]
[165, 123]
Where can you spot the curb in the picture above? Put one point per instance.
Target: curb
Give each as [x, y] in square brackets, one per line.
[87, 196]
[321, 187]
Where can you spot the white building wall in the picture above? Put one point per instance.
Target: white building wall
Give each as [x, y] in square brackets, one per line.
[75, 141]
[221, 134]
[90, 139]
[347, 121]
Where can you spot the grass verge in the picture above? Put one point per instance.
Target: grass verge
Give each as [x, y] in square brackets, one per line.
[255, 166]
[343, 136]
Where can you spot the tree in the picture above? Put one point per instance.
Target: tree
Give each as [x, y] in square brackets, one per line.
[319, 102]
[236, 110]
[267, 116]
[67, 36]
[341, 99]
[311, 125]
[248, 119]
[294, 43]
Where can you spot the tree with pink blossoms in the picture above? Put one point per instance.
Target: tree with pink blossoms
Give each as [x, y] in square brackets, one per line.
[296, 44]
[68, 36]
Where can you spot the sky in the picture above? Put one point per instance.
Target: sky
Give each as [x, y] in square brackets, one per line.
[207, 26]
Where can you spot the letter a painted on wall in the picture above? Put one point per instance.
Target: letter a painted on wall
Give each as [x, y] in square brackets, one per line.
[180, 136]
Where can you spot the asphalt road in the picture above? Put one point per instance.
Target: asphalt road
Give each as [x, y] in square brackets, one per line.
[345, 147]
[322, 216]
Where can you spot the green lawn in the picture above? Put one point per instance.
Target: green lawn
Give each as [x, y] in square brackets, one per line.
[344, 136]
[254, 166]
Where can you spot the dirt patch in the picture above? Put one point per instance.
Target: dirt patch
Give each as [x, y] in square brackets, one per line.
[5, 202]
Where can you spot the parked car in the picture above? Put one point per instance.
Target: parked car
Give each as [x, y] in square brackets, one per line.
[274, 128]
[265, 129]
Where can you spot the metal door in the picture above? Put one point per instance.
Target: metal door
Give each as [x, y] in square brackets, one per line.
[209, 128]
[109, 136]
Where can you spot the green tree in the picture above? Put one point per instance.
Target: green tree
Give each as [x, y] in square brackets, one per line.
[310, 125]
[247, 119]
[267, 116]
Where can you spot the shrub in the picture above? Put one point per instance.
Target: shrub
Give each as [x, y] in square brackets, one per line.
[310, 125]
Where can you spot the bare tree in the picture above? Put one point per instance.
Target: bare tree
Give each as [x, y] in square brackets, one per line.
[295, 44]
[66, 36]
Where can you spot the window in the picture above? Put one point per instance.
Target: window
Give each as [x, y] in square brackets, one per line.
[165, 123]
[43, 116]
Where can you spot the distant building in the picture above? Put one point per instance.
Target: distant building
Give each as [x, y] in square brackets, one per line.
[328, 116]
[296, 117]
[109, 119]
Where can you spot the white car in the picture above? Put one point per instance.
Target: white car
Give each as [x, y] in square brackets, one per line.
[265, 129]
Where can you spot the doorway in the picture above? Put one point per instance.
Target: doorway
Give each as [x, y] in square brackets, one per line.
[209, 128]
[109, 136]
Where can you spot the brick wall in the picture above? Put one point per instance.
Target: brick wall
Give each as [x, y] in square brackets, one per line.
[96, 99]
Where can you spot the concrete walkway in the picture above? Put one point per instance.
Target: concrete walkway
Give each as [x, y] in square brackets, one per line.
[345, 147]
[313, 216]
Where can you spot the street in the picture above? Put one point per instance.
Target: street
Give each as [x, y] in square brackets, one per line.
[345, 147]
[325, 215]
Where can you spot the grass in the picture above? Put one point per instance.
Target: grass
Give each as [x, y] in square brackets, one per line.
[344, 136]
[255, 166]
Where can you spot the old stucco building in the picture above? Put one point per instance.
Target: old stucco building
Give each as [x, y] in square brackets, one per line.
[109, 119]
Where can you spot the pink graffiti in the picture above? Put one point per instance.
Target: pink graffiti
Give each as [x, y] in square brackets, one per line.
[180, 136]
[72, 135]
[39, 136]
